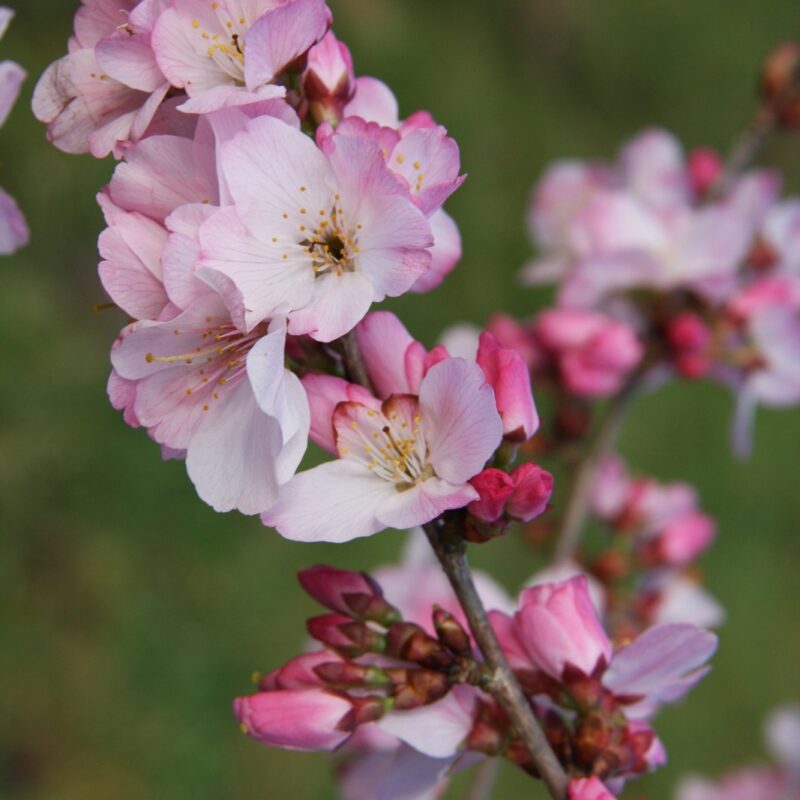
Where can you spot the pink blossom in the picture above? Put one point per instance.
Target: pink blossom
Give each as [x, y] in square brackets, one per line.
[494, 487]
[336, 588]
[743, 784]
[588, 789]
[659, 667]
[14, 232]
[594, 353]
[316, 236]
[397, 364]
[683, 539]
[221, 395]
[530, 497]
[304, 719]
[782, 734]
[507, 374]
[399, 466]
[705, 168]
[231, 53]
[107, 90]
[328, 81]
[640, 223]
[557, 626]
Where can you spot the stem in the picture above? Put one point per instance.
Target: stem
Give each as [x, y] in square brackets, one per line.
[451, 550]
[353, 362]
[485, 779]
[578, 504]
[746, 149]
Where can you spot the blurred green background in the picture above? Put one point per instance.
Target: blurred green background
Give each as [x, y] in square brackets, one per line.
[132, 614]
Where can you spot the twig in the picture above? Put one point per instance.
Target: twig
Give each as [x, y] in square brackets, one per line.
[353, 362]
[580, 498]
[746, 149]
[451, 550]
[485, 779]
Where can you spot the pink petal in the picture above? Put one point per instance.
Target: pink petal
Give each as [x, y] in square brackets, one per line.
[423, 502]
[374, 102]
[13, 228]
[335, 502]
[460, 420]
[445, 253]
[383, 341]
[280, 37]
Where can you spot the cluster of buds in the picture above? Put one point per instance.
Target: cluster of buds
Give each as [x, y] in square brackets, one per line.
[386, 663]
[643, 561]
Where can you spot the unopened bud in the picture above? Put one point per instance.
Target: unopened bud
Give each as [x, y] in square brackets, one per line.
[355, 594]
[409, 642]
[347, 675]
[424, 687]
[346, 636]
[780, 83]
[494, 487]
[591, 738]
[450, 632]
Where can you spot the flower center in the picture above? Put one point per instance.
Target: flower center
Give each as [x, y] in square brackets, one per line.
[390, 443]
[225, 47]
[332, 244]
[216, 357]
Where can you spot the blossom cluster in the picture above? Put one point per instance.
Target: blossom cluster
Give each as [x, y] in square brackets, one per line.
[266, 197]
[703, 269]
[13, 228]
[397, 684]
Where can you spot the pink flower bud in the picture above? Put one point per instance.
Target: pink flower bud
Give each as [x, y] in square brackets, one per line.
[327, 629]
[593, 352]
[299, 673]
[494, 487]
[685, 538]
[588, 789]
[532, 489]
[513, 335]
[507, 373]
[329, 80]
[309, 719]
[558, 625]
[337, 589]
[705, 166]
[688, 332]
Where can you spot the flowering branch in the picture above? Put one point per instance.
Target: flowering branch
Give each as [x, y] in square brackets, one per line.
[577, 508]
[450, 548]
[353, 362]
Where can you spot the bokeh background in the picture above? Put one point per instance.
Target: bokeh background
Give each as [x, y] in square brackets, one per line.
[132, 614]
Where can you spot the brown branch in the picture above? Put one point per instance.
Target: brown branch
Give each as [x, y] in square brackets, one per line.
[353, 362]
[746, 149]
[577, 509]
[450, 547]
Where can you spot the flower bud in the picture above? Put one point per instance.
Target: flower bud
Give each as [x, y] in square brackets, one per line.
[347, 675]
[300, 672]
[494, 487]
[329, 80]
[507, 373]
[346, 636]
[450, 632]
[352, 593]
[588, 789]
[780, 83]
[682, 540]
[424, 687]
[306, 719]
[705, 167]
[533, 487]
[557, 625]
[409, 642]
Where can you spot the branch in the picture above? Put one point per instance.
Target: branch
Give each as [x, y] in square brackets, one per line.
[746, 149]
[451, 550]
[607, 435]
[353, 362]
[485, 779]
